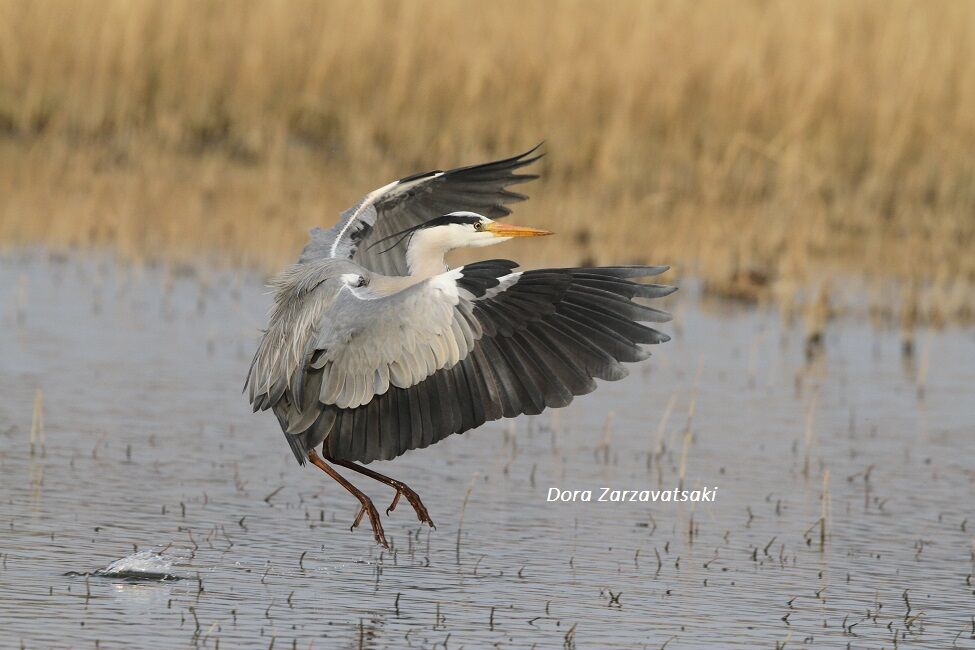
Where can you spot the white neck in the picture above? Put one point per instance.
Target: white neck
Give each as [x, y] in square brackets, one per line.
[426, 251]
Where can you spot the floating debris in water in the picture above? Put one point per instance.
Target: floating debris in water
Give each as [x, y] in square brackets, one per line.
[142, 565]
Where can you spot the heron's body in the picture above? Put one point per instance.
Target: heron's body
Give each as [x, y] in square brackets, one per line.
[373, 352]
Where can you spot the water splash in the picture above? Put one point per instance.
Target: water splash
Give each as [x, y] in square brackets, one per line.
[143, 565]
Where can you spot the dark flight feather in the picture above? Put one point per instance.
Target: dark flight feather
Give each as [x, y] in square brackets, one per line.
[545, 338]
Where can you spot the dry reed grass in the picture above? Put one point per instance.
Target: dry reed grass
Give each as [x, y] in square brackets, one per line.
[752, 143]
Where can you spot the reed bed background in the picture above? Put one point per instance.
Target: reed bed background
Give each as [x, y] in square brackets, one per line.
[762, 146]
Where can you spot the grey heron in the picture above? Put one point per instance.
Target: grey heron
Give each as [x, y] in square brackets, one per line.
[375, 347]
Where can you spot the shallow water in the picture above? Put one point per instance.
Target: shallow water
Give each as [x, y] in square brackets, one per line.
[149, 445]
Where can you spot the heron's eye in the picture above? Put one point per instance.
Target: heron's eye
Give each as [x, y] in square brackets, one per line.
[478, 225]
[362, 282]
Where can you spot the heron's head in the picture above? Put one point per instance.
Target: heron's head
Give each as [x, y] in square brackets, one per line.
[464, 229]
[428, 242]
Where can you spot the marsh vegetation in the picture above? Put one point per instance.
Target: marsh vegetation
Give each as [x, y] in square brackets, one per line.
[759, 145]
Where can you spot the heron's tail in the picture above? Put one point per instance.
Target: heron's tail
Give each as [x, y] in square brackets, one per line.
[298, 446]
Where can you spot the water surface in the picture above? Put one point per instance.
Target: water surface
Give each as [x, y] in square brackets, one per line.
[149, 446]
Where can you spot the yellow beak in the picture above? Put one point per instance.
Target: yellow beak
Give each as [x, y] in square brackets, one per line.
[507, 230]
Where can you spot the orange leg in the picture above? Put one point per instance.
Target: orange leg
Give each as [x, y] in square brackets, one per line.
[367, 508]
[401, 489]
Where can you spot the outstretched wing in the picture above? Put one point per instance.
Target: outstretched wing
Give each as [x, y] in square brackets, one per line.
[413, 200]
[475, 344]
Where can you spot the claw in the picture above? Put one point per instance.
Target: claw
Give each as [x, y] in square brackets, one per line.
[392, 506]
[377, 528]
[358, 518]
[414, 499]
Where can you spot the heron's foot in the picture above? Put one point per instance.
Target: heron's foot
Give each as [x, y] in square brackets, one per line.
[403, 490]
[367, 508]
